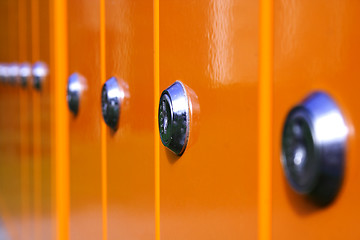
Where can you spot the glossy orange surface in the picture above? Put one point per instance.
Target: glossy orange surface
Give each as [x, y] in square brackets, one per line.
[210, 192]
[130, 150]
[84, 129]
[316, 47]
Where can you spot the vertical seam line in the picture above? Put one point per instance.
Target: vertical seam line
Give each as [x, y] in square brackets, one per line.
[103, 126]
[156, 132]
[265, 118]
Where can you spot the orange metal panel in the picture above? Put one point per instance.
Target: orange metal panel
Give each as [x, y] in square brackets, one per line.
[316, 47]
[36, 122]
[11, 198]
[84, 129]
[210, 192]
[42, 160]
[24, 14]
[3, 59]
[130, 150]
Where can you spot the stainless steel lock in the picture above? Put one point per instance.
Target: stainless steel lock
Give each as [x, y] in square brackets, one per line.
[313, 148]
[76, 85]
[25, 73]
[174, 118]
[111, 98]
[40, 72]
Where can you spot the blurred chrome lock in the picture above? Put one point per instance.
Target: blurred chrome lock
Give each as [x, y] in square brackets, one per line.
[174, 118]
[13, 73]
[25, 73]
[4, 75]
[76, 85]
[313, 148]
[40, 72]
[111, 98]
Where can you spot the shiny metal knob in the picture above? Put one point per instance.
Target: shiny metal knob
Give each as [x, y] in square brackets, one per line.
[174, 118]
[40, 72]
[76, 85]
[111, 98]
[313, 147]
[25, 74]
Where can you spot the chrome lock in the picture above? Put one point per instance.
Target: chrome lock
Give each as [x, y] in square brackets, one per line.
[174, 118]
[76, 85]
[13, 73]
[313, 148]
[25, 73]
[4, 75]
[111, 97]
[40, 72]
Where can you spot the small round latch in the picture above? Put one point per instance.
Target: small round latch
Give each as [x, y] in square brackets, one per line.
[313, 147]
[174, 118]
[111, 97]
[76, 84]
[40, 72]
[25, 73]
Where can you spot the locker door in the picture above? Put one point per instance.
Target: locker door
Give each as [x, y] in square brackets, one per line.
[4, 58]
[130, 150]
[25, 110]
[210, 192]
[42, 140]
[316, 48]
[11, 200]
[84, 127]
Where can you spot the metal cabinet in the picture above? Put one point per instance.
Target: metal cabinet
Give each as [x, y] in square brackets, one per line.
[210, 192]
[84, 127]
[65, 175]
[315, 48]
[130, 149]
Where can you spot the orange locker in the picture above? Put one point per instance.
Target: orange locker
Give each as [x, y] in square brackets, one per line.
[25, 113]
[84, 124]
[42, 136]
[130, 149]
[11, 197]
[315, 48]
[210, 192]
[3, 59]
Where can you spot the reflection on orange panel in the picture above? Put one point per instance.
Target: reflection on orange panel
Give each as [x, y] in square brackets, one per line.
[316, 47]
[210, 192]
[84, 132]
[130, 172]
